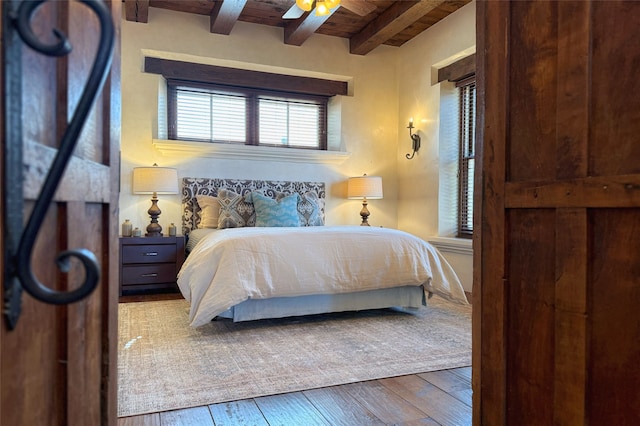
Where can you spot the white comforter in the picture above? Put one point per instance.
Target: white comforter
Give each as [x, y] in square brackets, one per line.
[232, 265]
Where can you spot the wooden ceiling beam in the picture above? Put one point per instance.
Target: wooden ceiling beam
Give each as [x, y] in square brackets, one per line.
[224, 15]
[396, 18]
[358, 7]
[136, 10]
[298, 31]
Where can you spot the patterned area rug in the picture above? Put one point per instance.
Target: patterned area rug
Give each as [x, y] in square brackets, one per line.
[163, 364]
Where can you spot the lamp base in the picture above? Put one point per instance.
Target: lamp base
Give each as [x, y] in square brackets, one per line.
[364, 213]
[154, 229]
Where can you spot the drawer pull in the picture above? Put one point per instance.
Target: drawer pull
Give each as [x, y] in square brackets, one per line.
[151, 253]
[152, 274]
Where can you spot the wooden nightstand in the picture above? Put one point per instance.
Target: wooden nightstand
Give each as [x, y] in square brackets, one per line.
[150, 263]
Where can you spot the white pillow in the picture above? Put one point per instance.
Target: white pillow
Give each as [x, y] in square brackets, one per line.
[209, 211]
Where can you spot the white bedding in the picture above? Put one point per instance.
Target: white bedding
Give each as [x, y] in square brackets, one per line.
[232, 265]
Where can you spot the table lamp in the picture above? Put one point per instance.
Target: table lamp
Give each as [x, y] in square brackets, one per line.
[364, 187]
[155, 180]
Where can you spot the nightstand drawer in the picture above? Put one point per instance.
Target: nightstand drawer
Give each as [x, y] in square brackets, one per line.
[148, 274]
[150, 264]
[158, 253]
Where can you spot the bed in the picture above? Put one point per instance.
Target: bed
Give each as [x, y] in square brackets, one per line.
[260, 249]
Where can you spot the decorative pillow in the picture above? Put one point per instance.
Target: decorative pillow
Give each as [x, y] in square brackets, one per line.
[310, 209]
[270, 212]
[235, 212]
[209, 211]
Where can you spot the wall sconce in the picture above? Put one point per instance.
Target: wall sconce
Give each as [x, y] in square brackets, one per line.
[415, 140]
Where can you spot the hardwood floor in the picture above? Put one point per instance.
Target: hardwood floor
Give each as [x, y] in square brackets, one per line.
[434, 398]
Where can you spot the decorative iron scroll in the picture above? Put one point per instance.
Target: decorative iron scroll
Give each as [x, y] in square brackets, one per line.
[19, 243]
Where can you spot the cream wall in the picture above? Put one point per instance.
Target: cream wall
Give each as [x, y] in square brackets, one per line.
[368, 117]
[419, 97]
[388, 86]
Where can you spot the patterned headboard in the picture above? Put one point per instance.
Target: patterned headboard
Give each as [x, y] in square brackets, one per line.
[209, 186]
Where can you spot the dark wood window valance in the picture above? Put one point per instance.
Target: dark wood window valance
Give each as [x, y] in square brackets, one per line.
[459, 70]
[204, 73]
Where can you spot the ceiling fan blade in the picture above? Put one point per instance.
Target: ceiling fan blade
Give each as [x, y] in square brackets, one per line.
[294, 12]
[359, 7]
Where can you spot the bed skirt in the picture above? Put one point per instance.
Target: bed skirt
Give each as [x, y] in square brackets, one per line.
[280, 307]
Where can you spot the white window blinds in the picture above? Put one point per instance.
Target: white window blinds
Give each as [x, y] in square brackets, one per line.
[288, 123]
[240, 115]
[210, 117]
[467, 93]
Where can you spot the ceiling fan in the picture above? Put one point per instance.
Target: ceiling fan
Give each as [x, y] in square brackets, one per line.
[323, 7]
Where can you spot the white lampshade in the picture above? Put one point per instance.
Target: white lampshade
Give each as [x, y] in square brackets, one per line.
[161, 180]
[365, 187]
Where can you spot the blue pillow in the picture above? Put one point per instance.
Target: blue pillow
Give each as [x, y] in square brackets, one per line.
[270, 212]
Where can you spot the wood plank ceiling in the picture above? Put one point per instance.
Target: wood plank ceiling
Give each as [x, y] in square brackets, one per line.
[366, 23]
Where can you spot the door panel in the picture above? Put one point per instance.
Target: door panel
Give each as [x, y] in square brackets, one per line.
[36, 343]
[82, 23]
[39, 77]
[614, 293]
[556, 282]
[530, 313]
[84, 319]
[616, 104]
[58, 366]
[532, 92]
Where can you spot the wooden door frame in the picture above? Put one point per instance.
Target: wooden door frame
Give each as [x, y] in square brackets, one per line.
[488, 328]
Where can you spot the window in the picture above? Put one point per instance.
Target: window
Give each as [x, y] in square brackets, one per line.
[456, 149]
[466, 156]
[217, 113]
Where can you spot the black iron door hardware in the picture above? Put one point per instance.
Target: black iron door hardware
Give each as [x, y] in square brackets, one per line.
[20, 239]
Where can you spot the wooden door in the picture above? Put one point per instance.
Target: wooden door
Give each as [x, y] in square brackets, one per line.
[557, 267]
[58, 365]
